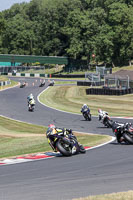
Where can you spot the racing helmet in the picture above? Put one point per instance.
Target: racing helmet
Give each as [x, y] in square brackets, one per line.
[85, 106]
[51, 128]
[31, 95]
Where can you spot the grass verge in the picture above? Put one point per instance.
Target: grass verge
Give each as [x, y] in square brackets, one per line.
[18, 138]
[65, 82]
[114, 196]
[71, 99]
[3, 78]
[13, 83]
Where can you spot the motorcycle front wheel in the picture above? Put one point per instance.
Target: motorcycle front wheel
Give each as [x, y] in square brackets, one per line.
[128, 137]
[82, 149]
[63, 148]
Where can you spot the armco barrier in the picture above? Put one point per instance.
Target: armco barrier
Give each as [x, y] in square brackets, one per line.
[108, 91]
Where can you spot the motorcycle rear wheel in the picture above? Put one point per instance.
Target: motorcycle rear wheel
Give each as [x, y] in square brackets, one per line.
[63, 148]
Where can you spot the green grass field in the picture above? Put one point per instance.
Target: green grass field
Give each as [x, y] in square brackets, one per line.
[71, 99]
[3, 78]
[18, 138]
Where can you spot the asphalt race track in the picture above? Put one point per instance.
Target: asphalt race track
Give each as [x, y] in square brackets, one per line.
[102, 170]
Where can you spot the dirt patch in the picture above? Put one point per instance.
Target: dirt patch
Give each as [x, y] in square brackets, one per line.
[20, 135]
[15, 135]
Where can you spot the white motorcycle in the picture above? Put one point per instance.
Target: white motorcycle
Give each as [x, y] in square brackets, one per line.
[105, 118]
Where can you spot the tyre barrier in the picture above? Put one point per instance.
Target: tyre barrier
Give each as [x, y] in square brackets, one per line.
[3, 83]
[68, 75]
[88, 83]
[108, 91]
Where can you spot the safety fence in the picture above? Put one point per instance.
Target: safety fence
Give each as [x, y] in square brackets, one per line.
[25, 74]
[43, 75]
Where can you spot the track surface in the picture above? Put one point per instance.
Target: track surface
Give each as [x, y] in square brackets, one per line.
[103, 170]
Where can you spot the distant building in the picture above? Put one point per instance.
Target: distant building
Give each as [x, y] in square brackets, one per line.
[121, 79]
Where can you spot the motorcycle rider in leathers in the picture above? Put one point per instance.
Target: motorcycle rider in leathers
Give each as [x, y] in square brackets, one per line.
[84, 108]
[65, 132]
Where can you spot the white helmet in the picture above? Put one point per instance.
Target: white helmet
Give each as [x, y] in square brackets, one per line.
[31, 96]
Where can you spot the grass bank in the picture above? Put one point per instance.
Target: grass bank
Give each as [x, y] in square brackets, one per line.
[18, 138]
[71, 98]
[5, 78]
[114, 196]
[59, 70]
[13, 83]
[65, 82]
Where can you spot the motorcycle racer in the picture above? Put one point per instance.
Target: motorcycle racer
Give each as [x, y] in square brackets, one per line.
[65, 132]
[105, 118]
[84, 108]
[30, 97]
[31, 101]
[102, 114]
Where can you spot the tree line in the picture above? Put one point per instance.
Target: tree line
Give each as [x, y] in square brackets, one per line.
[100, 30]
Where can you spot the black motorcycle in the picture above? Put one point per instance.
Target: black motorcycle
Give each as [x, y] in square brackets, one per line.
[42, 84]
[67, 145]
[123, 132]
[86, 115]
[22, 85]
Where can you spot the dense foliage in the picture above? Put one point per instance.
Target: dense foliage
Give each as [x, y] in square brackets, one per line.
[74, 28]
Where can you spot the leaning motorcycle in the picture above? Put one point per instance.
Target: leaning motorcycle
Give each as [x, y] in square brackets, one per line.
[23, 85]
[123, 132]
[67, 145]
[105, 118]
[42, 84]
[86, 115]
